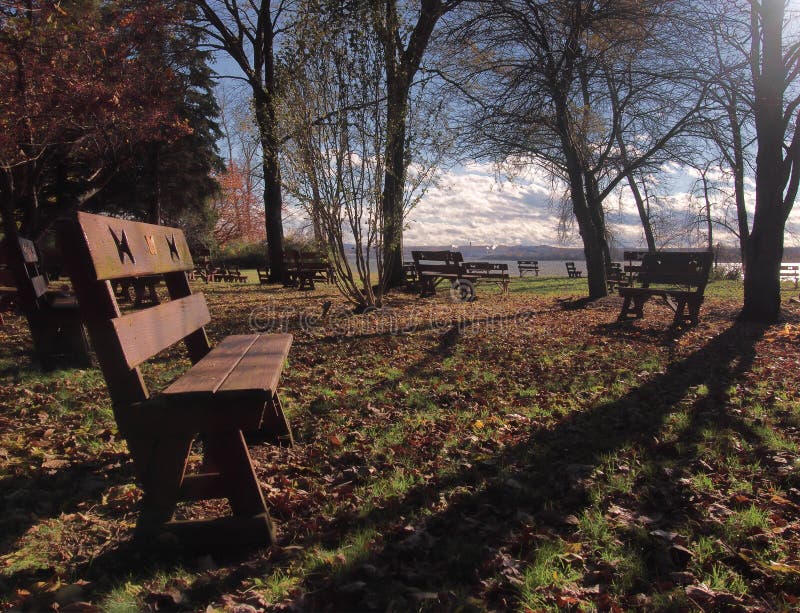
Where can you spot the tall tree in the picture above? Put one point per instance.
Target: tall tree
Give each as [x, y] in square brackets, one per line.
[166, 180]
[775, 69]
[579, 87]
[404, 34]
[78, 93]
[249, 33]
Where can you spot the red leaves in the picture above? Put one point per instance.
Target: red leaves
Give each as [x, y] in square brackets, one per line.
[239, 209]
[83, 81]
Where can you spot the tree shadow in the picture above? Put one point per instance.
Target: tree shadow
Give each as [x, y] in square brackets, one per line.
[540, 478]
[48, 493]
[443, 538]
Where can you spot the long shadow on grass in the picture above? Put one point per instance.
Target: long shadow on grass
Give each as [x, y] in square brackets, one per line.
[451, 551]
[40, 494]
[445, 539]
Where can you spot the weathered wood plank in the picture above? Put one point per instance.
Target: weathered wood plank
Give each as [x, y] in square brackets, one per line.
[39, 284]
[121, 248]
[144, 333]
[208, 374]
[261, 366]
[28, 250]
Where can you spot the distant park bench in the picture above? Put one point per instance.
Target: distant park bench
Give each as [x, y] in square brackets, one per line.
[494, 272]
[53, 317]
[231, 273]
[790, 272]
[436, 266]
[616, 277]
[410, 275]
[8, 289]
[263, 275]
[572, 272]
[229, 390]
[633, 264]
[144, 290]
[303, 268]
[682, 279]
[528, 266]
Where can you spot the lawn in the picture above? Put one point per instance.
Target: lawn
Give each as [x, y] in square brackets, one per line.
[522, 452]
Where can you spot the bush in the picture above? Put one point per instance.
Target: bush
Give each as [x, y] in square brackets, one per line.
[246, 255]
[726, 272]
[254, 255]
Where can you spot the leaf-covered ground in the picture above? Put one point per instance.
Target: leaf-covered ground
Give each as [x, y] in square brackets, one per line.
[523, 452]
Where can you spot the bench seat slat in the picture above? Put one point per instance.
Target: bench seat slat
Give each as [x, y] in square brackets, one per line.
[245, 364]
[208, 374]
[145, 333]
[261, 366]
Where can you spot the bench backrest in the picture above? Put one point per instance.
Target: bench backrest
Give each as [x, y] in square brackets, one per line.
[312, 260]
[689, 268]
[291, 259]
[23, 272]
[528, 263]
[446, 262]
[99, 249]
[495, 268]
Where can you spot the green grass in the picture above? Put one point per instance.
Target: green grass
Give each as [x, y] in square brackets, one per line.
[514, 468]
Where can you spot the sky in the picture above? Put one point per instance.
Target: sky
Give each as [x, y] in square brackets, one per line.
[474, 205]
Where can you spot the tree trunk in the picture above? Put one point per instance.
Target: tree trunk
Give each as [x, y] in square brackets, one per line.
[393, 187]
[273, 203]
[762, 289]
[155, 210]
[738, 177]
[594, 240]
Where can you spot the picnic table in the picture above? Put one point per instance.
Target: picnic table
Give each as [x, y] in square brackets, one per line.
[433, 267]
[304, 268]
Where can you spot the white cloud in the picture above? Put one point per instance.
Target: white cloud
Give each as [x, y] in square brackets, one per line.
[472, 205]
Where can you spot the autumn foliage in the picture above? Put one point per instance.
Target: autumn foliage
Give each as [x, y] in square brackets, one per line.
[80, 86]
[239, 210]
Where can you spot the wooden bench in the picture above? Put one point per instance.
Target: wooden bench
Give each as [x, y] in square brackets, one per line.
[790, 272]
[144, 290]
[616, 277]
[633, 264]
[303, 268]
[232, 273]
[528, 266]
[8, 291]
[682, 276]
[263, 275]
[229, 390]
[410, 274]
[494, 272]
[52, 315]
[572, 272]
[435, 266]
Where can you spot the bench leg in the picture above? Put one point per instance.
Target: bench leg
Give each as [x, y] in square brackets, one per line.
[636, 310]
[427, 287]
[274, 426]
[161, 471]
[229, 452]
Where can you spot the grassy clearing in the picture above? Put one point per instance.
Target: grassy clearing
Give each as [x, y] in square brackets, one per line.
[512, 453]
